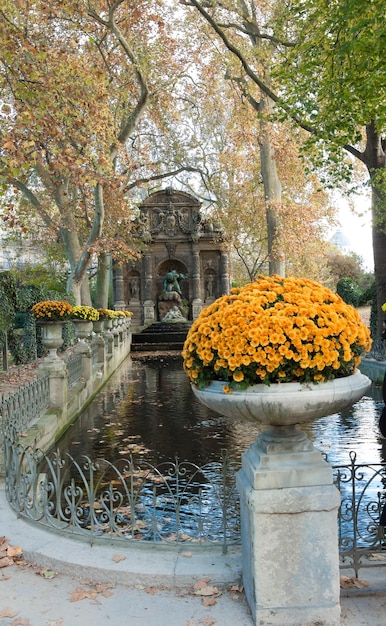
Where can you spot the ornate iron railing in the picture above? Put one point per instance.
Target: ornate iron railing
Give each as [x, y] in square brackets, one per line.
[173, 502]
[363, 496]
[130, 500]
[24, 406]
[74, 368]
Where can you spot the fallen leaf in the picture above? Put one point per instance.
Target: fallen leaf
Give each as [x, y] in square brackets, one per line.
[5, 562]
[208, 621]
[350, 582]
[47, 573]
[187, 555]
[377, 557]
[7, 612]
[21, 622]
[56, 622]
[118, 558]
[104, 589]
[14, 551]
[80, 594]
[152, 590]
[208, 601]
[199, 584]
[209, 590]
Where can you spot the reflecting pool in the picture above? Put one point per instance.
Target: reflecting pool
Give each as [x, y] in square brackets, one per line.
[148, 410]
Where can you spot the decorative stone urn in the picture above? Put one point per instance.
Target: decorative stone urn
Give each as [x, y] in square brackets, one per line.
[98, 326]
[83, 328]
[288, 501]
[52, 337]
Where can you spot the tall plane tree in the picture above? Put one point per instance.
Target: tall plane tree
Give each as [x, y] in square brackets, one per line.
[76, 80]
[329, 79]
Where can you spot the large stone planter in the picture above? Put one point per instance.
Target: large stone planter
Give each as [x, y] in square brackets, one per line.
[288, 501]
[52, 337]
[83, 328]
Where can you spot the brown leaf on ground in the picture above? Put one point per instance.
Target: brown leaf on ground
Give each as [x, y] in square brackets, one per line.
[187, 555]
[199, 584]
[377, 557]
[104, 589]
[118, 558]
[350, 582]
[9, 554]
[7, 612]
[47, 573]
[56, 622]
[14, 551]
[21, 622]
[153, 590]
[208, 601]
[209, 590]
[81, 594]
[208, 621]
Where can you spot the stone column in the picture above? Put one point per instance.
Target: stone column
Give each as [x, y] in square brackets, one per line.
[289, 508]
[224, 273]
[58, 382]
[196, 285]
[118, 288]
[148, 304]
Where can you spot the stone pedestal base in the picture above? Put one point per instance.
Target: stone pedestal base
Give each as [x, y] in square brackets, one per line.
[148, 312]
[196, 308]
[289, 509]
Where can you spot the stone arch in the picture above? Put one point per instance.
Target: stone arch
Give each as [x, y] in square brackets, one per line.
[171, 301]
[167, 266]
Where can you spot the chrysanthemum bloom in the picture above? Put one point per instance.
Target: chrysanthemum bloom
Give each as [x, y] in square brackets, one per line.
[275, 330]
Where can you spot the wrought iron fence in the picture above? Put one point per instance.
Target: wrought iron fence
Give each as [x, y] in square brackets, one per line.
[173, 502]
[24, 406]
[363, 496]
[130, 500]
[74, 368]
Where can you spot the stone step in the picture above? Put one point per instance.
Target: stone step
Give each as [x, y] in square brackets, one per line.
[157, 347]
[160, 338]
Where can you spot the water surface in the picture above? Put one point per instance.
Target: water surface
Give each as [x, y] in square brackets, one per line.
[147, 409]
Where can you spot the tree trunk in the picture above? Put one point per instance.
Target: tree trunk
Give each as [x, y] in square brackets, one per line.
[375, 160]
[103, 281]
[379, 247]
[272, 194]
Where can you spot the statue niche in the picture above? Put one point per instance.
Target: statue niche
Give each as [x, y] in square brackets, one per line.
[171, 307]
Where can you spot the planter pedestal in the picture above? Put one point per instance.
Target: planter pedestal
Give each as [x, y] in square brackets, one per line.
[289, 509]
[289, 504]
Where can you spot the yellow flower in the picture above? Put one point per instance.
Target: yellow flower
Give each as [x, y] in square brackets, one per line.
[274, 329]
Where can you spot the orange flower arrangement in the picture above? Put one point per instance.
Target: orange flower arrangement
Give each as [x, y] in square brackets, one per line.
[275, 330]
[52, 310]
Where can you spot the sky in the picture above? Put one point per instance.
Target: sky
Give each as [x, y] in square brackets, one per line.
[357, 228]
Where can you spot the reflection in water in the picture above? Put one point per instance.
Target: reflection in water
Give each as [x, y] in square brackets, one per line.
[148, 409]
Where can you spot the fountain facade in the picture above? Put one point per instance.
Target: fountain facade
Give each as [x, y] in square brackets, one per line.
[182, 245]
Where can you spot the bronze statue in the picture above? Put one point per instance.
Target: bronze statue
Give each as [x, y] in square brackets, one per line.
[170, 281]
